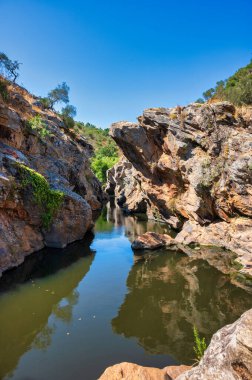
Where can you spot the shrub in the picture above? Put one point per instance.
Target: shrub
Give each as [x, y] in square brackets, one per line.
[199, 345]
[45, 102]
[47, 199]
[37, 124]
[68, 121]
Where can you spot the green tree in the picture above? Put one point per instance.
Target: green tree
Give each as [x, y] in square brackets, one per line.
[69, 111]
[59, 94]
[208, 94]
[9, 68]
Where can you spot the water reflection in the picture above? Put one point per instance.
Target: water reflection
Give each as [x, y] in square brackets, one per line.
[48, 290]
[169, 293]
[53, 324]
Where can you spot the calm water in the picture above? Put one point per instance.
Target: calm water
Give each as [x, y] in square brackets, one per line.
[68, 314]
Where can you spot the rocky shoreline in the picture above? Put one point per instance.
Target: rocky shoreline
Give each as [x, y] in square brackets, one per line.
[228, 357]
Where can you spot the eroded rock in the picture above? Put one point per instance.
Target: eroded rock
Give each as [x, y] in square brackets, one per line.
[190, 164]
[62, 158]
[229, 355]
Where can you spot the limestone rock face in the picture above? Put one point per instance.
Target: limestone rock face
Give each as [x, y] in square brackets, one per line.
[229, 355]
[62, 158]
[189, 163]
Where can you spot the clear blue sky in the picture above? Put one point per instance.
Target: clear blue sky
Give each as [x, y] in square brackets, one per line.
[120, 57]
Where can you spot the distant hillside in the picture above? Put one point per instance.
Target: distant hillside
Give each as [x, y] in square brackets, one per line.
[236, 89]
[106, 153]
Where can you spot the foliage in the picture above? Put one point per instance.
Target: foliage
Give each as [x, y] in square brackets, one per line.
[200, 101]
[45, 102]
[67, 114]
[199, 345]
[101, 164]
[4, 90]
[59, 94]
[236, 89]
[37, 124]
[106, 151]
[9, 68]
[69, 111]
[48, 200]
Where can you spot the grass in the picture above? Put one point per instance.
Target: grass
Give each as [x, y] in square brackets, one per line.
[199, 345]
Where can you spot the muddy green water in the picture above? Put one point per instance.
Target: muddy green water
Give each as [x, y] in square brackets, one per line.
[68, 314]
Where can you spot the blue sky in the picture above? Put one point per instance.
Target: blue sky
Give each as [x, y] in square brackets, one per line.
[120, 57]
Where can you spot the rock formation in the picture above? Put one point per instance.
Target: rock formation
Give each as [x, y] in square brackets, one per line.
[48, 190]
[190, 166]
[228, 357]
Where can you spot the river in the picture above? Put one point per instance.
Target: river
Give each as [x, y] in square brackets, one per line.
[70, 313]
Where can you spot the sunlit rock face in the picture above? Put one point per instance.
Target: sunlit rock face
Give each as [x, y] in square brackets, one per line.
[62, 158]
[229, 355]
[189, 163]
[190, 297]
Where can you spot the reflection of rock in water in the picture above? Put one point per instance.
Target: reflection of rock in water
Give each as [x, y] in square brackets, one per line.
[47, 287]
[135, 225]
[168, 294]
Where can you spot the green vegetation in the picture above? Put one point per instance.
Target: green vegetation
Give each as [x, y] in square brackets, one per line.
[59, 94]
[68, 113]
[236, 89]
[106, 152]
[200, 345]
[37, 124]
[4, 90]
[8, 68]
[48, 200]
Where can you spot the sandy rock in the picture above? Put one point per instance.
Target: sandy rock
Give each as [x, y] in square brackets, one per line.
[130, 371]
[152, 240]
[173, 371]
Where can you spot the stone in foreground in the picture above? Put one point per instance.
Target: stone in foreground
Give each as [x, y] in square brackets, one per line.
[131, 371]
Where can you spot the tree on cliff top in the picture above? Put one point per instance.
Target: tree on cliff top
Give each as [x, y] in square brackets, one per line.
[9, 68]
[236, 89]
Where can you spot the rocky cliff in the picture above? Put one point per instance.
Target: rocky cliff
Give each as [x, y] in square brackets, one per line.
[192, 168]
[47, 189]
